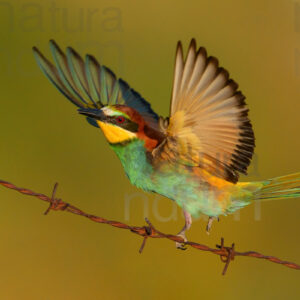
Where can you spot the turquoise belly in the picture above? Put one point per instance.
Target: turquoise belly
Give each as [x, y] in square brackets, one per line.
[171, 181]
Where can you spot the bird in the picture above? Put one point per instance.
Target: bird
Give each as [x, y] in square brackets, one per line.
[195, 155]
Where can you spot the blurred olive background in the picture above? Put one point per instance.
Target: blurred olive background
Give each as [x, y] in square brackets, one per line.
[44, 140]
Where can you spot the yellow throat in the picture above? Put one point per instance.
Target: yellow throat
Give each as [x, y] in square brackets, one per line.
[115, 134]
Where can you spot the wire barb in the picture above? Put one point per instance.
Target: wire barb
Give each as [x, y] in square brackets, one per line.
[148, 232]
[227, 254]
[53, 201]
[226, 258]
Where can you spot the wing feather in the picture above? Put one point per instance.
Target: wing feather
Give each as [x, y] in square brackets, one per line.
[93, 77]
[89, 84]
[209, 125]
[188, 68]
[177, 75]
[53, 75]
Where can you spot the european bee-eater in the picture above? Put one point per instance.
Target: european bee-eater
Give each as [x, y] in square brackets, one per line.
[195, 155]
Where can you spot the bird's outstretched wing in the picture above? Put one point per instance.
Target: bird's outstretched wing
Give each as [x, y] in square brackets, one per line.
[208, 125]
[89, 84]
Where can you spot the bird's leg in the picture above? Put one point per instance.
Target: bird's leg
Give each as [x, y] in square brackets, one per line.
[187, 226]
[209, 223]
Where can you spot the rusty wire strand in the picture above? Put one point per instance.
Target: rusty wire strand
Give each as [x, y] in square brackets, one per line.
[227, 254]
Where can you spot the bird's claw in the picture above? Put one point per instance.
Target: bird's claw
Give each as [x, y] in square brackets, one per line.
[209, 223]
[181, 245]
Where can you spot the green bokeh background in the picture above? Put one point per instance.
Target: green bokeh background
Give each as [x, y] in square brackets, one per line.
[43, 140]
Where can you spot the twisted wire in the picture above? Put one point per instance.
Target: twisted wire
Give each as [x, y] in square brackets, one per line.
[227, 254]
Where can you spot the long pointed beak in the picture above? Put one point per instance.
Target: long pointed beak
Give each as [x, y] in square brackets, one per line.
[92, 113]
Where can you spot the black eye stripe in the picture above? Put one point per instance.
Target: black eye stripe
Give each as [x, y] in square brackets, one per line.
[126, 124]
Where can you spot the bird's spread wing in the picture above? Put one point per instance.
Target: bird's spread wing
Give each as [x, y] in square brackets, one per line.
[89, 84]
[209, 125]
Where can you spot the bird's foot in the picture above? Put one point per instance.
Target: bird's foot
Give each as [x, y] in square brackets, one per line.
[209, 223]
[181, 246]
[187, 226]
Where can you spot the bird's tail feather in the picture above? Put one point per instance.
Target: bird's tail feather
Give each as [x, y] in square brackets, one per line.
[279, 188]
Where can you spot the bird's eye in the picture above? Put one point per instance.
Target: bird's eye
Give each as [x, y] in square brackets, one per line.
[120, 119]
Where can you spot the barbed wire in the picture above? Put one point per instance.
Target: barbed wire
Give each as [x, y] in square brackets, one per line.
[227, 254]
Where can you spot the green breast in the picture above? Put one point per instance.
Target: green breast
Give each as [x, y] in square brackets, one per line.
[134, 160]
[164, 180]
[174, 181]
